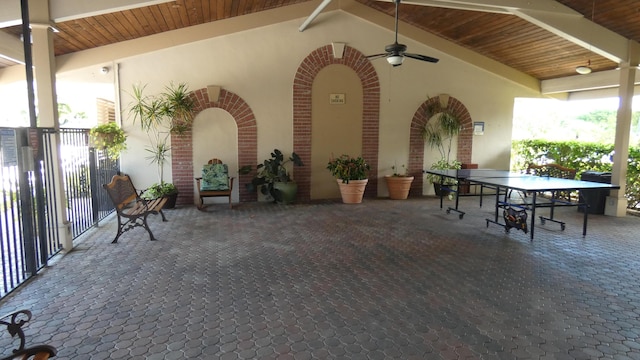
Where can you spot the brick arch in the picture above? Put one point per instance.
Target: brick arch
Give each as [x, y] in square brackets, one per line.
[302, 85]
[416, 142]
[182, 145]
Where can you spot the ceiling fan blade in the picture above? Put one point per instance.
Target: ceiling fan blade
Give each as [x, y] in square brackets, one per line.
[376, 56]
[422, 57]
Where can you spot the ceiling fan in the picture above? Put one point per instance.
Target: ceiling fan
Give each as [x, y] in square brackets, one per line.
[395, 53]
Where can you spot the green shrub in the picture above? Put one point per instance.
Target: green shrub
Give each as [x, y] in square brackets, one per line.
[581, 156]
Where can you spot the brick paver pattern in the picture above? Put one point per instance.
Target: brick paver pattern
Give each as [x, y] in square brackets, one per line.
[384, 279]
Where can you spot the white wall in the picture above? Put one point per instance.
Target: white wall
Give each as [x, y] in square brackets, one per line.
[259, 65]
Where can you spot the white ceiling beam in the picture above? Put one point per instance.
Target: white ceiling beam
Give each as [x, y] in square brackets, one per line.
[581, 31]
[11, 48]
[495, 6]
[314, 14]
[65, 10]
[597, 80]
[551, 16]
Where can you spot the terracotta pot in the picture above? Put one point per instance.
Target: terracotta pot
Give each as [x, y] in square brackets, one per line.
[353, 191]
[398, 186]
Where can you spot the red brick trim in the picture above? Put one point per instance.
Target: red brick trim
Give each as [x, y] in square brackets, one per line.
[416, 142]
[182, 145]
[302, 84]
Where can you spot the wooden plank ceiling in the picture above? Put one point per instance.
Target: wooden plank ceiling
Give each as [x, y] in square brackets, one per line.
[504, 38]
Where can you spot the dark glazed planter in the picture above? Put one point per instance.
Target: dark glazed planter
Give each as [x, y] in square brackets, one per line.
[171, 201]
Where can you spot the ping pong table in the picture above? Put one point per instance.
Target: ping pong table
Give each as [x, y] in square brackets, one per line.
[503, 182]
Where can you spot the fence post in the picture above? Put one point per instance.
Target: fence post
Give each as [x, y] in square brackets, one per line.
[25, 169]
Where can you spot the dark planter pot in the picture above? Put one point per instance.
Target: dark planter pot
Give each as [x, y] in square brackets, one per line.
[286, 192]
[171, 201]
[441, 191]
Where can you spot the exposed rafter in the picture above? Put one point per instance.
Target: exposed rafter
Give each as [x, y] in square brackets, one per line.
[551, 16]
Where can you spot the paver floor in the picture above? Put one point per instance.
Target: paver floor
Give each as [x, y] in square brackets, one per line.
[381, 280]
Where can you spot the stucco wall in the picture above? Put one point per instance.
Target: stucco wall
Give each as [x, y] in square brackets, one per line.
[259, 65]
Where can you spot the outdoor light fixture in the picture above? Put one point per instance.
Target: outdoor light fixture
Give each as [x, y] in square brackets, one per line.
[584, 70]
[395, 60]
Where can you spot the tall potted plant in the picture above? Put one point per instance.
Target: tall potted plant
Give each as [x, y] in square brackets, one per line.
[442, 127]
[159, 116]
[274, 179]
[351, 175]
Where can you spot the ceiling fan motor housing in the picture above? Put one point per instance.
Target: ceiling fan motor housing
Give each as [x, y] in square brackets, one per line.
[395, 48]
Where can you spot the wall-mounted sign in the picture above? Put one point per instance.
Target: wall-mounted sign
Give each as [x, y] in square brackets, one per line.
[8, 147]
[336, 99]
[478, 128]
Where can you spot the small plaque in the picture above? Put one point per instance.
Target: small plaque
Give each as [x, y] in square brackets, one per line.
[478, 128]
[336, 99]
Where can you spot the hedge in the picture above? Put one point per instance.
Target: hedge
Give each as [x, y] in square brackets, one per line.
[582, 156]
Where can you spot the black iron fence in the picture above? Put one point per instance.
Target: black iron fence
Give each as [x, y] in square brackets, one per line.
[34, 208]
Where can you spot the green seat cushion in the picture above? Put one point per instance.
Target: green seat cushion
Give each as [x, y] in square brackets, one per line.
[214, 177]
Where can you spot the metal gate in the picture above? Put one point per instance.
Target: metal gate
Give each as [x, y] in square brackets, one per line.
[29, 211]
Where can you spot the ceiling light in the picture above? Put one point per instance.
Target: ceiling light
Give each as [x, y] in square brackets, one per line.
[395, 60]
[583, 70]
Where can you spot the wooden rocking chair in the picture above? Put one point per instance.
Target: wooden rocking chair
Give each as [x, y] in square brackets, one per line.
[214, 182]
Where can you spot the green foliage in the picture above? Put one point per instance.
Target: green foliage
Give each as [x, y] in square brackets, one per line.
[66, 116]
[443, 164]
[440, 131]
[179, 106]
[348, 168]
[580, 156]
[109, 137]
[172, 110]
[159, 190]
[398, 173]
[271, 171]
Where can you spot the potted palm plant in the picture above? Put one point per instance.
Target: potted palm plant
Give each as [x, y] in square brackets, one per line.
[399, 183]
[351, 174]
[274, 179]
[442, 127]
[159, 116]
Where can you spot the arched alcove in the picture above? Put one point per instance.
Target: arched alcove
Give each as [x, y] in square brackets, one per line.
[182, 145]
[416, 146]
[302, 86]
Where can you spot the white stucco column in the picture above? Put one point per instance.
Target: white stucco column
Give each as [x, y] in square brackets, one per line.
[616, 204]
[44, 64]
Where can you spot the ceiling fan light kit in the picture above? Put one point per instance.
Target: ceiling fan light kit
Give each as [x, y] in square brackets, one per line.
[396, 52]
[395, 60]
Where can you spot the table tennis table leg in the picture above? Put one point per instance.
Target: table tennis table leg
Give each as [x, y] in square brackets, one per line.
[450, 209]
[533, 213]
[584, 221]
[496, 212]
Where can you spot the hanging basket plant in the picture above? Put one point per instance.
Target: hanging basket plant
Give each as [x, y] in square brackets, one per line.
[109, 137]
